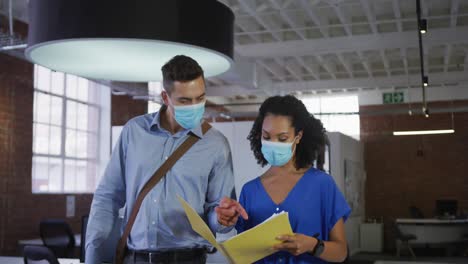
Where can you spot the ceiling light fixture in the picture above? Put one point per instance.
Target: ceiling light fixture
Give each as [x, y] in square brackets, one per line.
[423, 132]
[425, 81]
[125, 40]
[424, 78]
[428, 131]
[423, 26]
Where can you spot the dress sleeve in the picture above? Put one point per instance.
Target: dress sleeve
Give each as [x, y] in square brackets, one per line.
[336, 205]
[241, 225]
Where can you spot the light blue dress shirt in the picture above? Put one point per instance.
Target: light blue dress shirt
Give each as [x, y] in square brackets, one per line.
[202, 177]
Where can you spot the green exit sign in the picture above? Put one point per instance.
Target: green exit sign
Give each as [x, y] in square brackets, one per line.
[393, 98]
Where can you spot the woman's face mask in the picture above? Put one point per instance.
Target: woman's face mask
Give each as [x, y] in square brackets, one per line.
[278, 153]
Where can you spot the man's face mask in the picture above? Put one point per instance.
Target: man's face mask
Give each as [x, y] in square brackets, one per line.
[189, 116]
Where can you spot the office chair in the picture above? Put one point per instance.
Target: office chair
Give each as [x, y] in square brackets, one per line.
[38, 254]
[403, 239]
[58, 236]
[415, 212]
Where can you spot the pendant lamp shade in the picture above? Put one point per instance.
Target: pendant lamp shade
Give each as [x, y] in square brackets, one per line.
[125, 40]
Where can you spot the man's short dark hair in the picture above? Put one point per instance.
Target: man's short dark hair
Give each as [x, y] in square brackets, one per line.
[181, 68]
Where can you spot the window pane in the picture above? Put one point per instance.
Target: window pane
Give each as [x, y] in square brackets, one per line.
[57, 81]
[70, 145]
[340, 104]
[71, 114]
[43, 108]
[82, 117]
[41, 139]
[92, 145]
[56, 110]
[81, 145]
[72, 84]
[55, 142]
[83, 87]
[69, 182]
[81, 172]
[93, 119]
[312, 104]
[55, 175]
[43, 78]
[94, 92]
[40, 174]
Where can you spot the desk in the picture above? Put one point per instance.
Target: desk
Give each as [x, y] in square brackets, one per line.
[434, 231]
[38, 241]
[19, 260]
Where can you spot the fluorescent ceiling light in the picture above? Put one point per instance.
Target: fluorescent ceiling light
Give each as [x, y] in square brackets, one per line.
[131, 60]
[423, 132]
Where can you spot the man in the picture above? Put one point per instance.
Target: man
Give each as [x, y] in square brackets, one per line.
[202, 176]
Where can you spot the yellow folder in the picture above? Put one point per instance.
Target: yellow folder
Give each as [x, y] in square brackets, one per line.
[249, 246]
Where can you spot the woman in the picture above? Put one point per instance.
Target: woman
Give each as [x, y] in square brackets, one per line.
[288, 138]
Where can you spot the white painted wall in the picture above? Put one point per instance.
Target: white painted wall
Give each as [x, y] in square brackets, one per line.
[344, 147]
[244, 162]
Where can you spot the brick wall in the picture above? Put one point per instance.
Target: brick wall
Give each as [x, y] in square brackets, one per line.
[124, 108]
[20, 210]
[413, 170]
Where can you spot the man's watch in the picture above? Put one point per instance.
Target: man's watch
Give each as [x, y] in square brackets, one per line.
[319, 247]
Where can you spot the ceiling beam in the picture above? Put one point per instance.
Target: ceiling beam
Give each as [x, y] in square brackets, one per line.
[385, 62]
[454, 13]
[346, 64]
[376, 82]
[283, 64]
[448, 51]
[287, 18]
[315, 18]
[397, 12]
[365, 63]
[271, 70]
[370, 16]
[250, 7]
[309, 69]
[326, 65]
[339, 85]
[392, 40]
[342, 18]
[404, 56]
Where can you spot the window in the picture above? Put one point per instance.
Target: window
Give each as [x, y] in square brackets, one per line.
[154, 95]
[338, 114]
[66, 133]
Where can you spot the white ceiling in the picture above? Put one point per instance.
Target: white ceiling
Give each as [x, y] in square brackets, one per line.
[311, 46]
[336, 46]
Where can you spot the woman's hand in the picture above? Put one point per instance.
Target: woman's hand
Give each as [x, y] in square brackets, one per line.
[296, 244]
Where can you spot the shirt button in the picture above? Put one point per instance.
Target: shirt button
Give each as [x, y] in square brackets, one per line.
[277, 208]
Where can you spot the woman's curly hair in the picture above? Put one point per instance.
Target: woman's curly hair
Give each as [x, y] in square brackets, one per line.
[313, 137]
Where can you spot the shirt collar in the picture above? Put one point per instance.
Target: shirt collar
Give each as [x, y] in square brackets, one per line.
[156, 124]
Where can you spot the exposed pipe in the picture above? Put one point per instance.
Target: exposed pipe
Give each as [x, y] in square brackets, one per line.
[10, 19]
[421, 55]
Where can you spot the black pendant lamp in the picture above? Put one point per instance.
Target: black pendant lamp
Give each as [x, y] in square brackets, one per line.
[126, 40]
